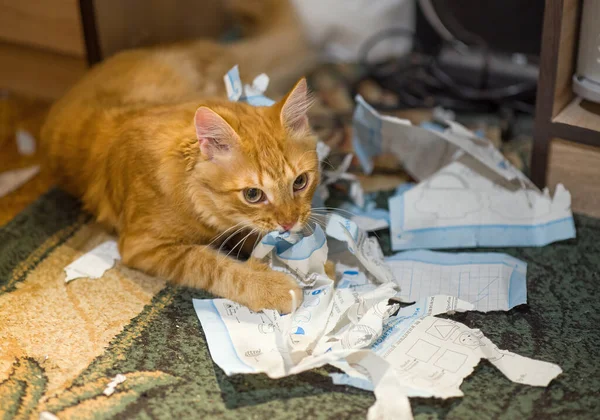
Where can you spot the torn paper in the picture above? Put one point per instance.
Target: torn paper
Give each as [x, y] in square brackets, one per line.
[112, 385]
[300, 256]
[369, 223]
[25, 142]
[251, 94]
[421, 151]
[365, 249]
[358, 326]
[327, 323]
[323, 151]
[433, 355]
[46, 415]
[390, 403]
[303, 256]
[462, 206]
[490, 281]
[11, 180]
[243, 341]
[94, 263]
[424, 356]
[368, 218]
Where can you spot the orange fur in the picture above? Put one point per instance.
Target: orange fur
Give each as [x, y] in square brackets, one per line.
[170, 182]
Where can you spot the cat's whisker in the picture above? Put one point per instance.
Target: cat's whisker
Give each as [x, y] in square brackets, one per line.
[331, 209]
[308, 226]
[244, 242]
[223, 233]
[258, 238]
[341, 212]
[224, 257]
[232, 235]
[317, 218]
[326, 162]
[318, 221]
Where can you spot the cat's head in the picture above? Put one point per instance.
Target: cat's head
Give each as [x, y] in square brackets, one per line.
[258, 165]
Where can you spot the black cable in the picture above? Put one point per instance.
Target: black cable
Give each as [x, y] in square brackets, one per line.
[418, 80]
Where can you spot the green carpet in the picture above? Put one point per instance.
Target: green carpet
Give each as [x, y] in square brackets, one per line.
[163, 351]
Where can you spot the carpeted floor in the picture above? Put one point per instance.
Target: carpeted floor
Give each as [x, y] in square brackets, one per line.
[61, 344]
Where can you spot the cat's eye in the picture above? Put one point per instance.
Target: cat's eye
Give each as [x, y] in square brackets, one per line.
[253, 195]
[300, 182]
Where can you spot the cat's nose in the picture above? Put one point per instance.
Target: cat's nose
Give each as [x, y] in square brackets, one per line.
[287, 226]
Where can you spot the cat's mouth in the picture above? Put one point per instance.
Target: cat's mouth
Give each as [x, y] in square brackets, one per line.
[301, 224]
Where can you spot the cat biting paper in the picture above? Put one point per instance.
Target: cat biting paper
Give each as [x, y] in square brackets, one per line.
[155, 150]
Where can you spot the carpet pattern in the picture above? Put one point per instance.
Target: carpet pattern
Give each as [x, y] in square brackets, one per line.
[60, 344]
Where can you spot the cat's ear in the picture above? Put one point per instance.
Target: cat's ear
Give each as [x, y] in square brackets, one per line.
[294, 108]
[215, 136]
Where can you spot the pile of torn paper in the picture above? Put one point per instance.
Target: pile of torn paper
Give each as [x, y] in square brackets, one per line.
[469, 195]
[355, 322]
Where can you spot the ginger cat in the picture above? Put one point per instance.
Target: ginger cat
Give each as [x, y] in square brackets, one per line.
[156, 152]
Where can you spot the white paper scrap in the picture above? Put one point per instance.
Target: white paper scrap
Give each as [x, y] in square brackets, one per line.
[94, 263]
[299, 256]
[112, 385]
[459, 207]
[11, 180]
[391, 402]
[233, 84]
[370, 224]
[368, 218]
[490, 281]
[46, 415]
[323, 151]
[25, 142]
[365, 248]
[251, 94]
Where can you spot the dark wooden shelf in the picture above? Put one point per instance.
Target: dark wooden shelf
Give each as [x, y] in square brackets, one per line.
[580, 113]
[559, 114]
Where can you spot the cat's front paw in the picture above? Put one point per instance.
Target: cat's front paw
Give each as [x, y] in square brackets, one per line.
[274, 291]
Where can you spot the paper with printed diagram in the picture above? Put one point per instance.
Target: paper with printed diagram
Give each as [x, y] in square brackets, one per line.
[489, 281]
[433, 355]
[358, 326]
[463, 206]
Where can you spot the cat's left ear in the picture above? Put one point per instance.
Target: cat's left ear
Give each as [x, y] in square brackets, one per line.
[294, 108]
[215, 136]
